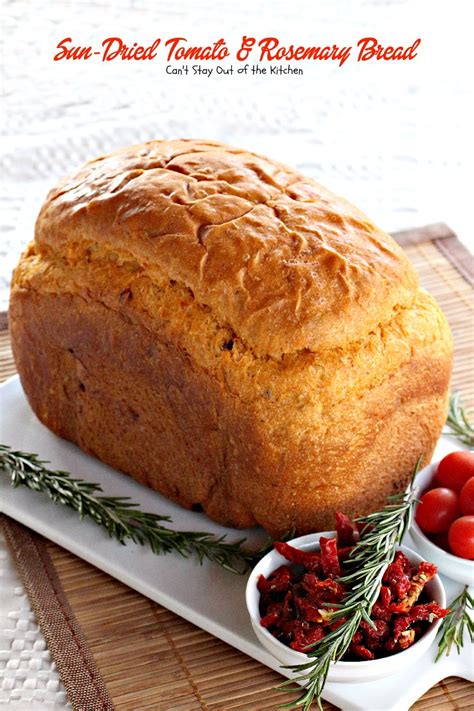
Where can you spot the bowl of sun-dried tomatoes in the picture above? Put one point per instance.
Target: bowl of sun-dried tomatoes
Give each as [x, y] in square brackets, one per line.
[293, 590]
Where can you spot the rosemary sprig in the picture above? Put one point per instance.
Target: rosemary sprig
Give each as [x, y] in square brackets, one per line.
[457, 423]
[381, 533]
[452, 628]
[122, 518]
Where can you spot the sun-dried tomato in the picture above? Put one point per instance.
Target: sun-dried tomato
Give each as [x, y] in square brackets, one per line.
[270, 620]
[426, 612]
[297, 600]
[329, 559]
[273, 606]
[385, 596]
[397, 580]
[417, 582]
[328, 590]
[406, 639]
[309, 611]
[362, 652]
[379, 612]
[401, 559]
[306, 636]
[263, 585]
[310, 559]
[428, 570]
[312, 584]
[344, 530]
[375, 636]
[381, 609]
[400, 624]
[280, 579]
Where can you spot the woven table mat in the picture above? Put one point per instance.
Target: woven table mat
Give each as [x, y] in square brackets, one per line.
[148, 657]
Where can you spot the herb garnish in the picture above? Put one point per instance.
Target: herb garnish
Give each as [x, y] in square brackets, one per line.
[457, 423]
[122, 518]
[452, 628]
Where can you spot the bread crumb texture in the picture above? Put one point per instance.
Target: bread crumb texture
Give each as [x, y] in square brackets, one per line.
[230, 333]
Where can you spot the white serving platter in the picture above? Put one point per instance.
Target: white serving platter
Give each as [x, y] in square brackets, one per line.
[206, 595]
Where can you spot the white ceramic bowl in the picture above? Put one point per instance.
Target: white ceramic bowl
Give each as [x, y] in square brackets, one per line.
[452, 566]
[340, 671]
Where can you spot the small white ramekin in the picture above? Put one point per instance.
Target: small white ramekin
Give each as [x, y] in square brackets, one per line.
[354, 672]
[454, 567]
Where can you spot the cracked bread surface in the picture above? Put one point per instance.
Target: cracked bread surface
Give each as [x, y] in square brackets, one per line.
[229, 333]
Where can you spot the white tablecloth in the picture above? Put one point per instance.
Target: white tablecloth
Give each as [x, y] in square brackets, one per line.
[28, 677]
[392, 137]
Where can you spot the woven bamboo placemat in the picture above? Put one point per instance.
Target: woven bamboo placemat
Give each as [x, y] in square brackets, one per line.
[151, 659]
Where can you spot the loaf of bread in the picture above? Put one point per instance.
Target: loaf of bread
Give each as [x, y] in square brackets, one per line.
[231, 334]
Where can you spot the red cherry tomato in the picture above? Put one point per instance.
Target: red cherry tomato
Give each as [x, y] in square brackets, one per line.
[455, 469]
[466, 497]
[437, 510]
[461, 537]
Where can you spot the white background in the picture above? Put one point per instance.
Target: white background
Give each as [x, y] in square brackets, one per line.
[395, 138]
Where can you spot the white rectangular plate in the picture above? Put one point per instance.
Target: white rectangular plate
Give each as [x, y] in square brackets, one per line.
[206, 595]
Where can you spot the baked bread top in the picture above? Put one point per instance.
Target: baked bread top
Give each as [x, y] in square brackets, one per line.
[278, 258]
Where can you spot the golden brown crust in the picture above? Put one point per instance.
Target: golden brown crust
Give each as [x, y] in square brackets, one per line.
[281, 260]
[270, 368]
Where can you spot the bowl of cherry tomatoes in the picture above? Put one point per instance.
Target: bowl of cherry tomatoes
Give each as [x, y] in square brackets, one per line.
[443, 524]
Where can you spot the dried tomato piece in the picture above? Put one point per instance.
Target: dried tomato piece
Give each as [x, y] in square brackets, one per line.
[401, 559]
[280, 579]
[270, 620]
[380, 612]
[424, 573]
[402, 639]
[305, 636]
[314, 634]
[427, 570]
[430, 612]
[273, 606]
[400, 624]
[310, 559]
[287, 628]
[381, 609]
[375, 636]
[328, 590]
[263, 585]
[311, 583]
[329, 559]
[406, 639]
[397, 580]
[287, 607]
[309, 611]
[344, 530]
[362, 652]
[380, 629]
[385, 596]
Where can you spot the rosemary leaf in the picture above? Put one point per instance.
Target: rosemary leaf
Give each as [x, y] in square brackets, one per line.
[123, 519]
[458, 620]
[457, 423]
